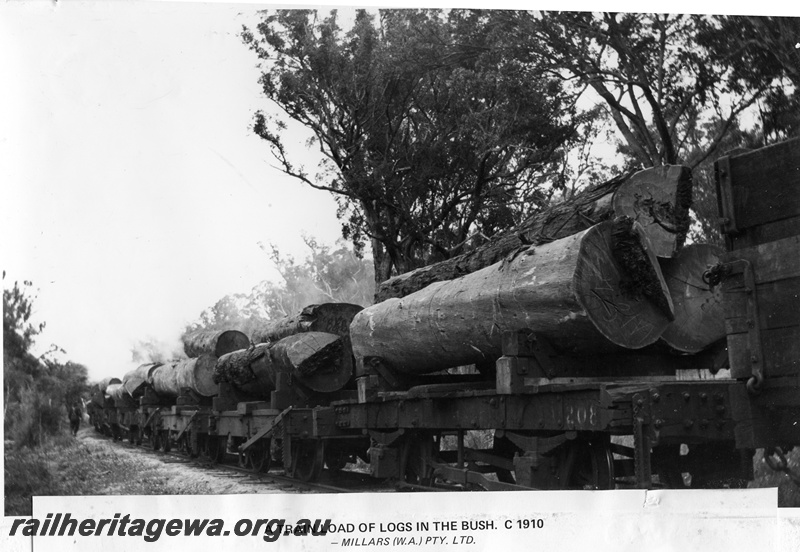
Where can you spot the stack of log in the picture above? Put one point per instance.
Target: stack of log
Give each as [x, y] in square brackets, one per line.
[602, 272]
[100, 395]
[136, 381]
[196, 373]
[311, 348]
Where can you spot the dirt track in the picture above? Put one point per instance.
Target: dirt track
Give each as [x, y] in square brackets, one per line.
[136, 471]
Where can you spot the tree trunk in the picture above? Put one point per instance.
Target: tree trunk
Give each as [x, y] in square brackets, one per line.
[657, 198]
[699, 315]
[164, 380]
[136, 380]
[332, 318]
[317, 360]
[195, 373]
[578, 291]
[213, 342]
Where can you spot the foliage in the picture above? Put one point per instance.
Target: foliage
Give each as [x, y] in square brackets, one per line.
[428, 135]
[325, 275]
[37, 391]
[661, 77]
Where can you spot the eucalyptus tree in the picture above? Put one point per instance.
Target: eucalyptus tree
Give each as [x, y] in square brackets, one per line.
[429, 135]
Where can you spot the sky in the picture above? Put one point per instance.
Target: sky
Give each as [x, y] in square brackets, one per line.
[134, 194]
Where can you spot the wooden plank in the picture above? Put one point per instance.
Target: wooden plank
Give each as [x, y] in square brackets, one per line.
[765, 184]
[765, 233]
[772, 261]
[778, 306]
[781, 353]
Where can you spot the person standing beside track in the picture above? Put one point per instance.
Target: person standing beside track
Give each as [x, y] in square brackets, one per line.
[75, 418]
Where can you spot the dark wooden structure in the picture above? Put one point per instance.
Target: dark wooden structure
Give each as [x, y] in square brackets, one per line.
[544, 418]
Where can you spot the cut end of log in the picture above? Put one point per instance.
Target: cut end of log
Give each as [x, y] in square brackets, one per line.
[659, 199]
[699, 313]
[331, 318]
[213, 342]
[320, 361]
[642, 275]
[620, 286]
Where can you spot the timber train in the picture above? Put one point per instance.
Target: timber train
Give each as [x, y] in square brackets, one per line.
[535, 417]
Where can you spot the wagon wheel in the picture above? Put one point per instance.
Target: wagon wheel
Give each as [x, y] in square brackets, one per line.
[196, 445]
[259, 457]
[586, 464]
[182, 445]
[242, 459]
[215, 448]
[418, 454]
[336, 458]
[307, 459]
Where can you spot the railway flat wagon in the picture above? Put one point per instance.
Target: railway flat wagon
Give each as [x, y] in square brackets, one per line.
[686, 407]
[635, 419]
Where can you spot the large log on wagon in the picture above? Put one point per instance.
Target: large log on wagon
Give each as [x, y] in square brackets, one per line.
[164, 380]
[598, 290]
[103, 384]
[99, 395]
[136, 380]
[319, 361]
[699, 313]
[213, 342]
[331, 318]
[658, 198]
[196, 374]
[121, 399]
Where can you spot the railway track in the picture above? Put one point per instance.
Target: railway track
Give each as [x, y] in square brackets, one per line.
[329, 482]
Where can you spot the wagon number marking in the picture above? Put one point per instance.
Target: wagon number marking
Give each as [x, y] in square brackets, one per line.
[579, 415]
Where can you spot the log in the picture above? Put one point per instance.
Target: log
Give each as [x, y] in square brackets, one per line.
[136, 380]
[198, 375]
[213, 342]
[164, 380]
[333, 318]
[319, 361]
[575, 291]
[699, 313]
[658, 198]
[103, 384]
[116, 393]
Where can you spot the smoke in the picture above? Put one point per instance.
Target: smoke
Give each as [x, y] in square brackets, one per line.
[152, 349]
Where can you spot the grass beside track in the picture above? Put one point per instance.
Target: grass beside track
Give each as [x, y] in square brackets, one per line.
[66, 466]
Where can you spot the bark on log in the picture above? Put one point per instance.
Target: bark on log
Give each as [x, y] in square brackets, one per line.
[198, 375]
[699, 314]
[136, 380]
[333, 318]
[574, 291]
[213, 342]
[164, 380]
[658, 198]
[319, 361]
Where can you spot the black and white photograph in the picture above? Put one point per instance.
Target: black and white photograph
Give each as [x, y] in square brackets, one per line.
[385, 276]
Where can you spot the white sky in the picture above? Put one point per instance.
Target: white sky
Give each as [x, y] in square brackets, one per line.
[134, 194]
